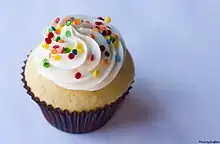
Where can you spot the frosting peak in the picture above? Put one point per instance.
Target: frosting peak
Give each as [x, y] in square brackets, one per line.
[80, 53]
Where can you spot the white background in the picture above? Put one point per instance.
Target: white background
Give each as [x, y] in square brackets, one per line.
[175, 45]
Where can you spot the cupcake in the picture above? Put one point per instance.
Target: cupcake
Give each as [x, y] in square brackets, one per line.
[79, 74]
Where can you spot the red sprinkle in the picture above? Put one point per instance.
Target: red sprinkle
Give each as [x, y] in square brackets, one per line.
[48, 40]
[92, 58]
[56, 46]
[71, 56]
[62, 50]
[57, 20]
[100, 18]
[50, 35]
[98, 23]
[78, 75]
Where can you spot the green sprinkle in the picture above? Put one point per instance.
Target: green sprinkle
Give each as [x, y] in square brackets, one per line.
[112, 38]
[46, 65]
[67, 50]
[68, 34]
[68, 23]
[50, 30]
[45, 60]
[58, 38]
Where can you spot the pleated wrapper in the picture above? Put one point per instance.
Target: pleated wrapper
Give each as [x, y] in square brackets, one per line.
[72, 121]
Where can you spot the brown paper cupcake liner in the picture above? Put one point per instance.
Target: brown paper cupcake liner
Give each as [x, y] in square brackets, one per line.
[75, 122]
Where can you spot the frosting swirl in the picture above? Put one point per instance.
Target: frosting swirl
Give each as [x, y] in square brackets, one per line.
[80, 53]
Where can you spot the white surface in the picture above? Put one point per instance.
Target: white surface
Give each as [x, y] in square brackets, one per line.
[175, 45]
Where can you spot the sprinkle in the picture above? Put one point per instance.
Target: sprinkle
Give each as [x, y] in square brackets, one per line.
[97, 27]
[105, 62]
[46, 65]
[77, 21]
[109, 32]
[102, 27]
[57, 57]
[116, 43]
[107, 54]
[108, 37]
[98, 23]
[78, 75]
[61, 41]
[50, 35]
[108, 41]
[104, 32]
[92, 36]
[45, 60]
[68, 23]
[53, 28]
[57, 38]
[100, 18]
[57, 20]
[112, 38]
[53, 51]
[79, 45]
[49, 30]
[56, 46]
[102, 47]
[48, 40]
[107, 19]
[87, 22]
[72, 18]
[71, 56]
[92, 58]
[46, 46]
[115, 35]
[74, 51]
[68, 34]
[67, 50]
[80, 50]
[108, 27]
[57, 31]
[96, 73]
[117, 58]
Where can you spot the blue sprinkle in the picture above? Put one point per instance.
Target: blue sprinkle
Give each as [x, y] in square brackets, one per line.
[117, 58]
[74, 51]
[108, 41]
[53, 28]
[72, 18]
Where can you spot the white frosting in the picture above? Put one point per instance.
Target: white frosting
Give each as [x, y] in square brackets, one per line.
[62, 72]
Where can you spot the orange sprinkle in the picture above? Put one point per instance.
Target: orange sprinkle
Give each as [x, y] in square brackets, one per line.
[77, 21]
[102, 27]
[115, 35]
[105, 62]
[61, 41]
[92, 36]
[57, 31]
[53, 51]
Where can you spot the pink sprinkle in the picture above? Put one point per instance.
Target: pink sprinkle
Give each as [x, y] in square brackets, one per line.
[57, 20]
[56, 46]
[100, 18]
[87, 22]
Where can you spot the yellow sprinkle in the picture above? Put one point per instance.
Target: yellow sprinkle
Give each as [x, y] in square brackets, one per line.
[80, 50]
[57, 57]
[46, 46]
[96, 73]
[79, 45]
[116, 44]
[108, 37]
[107, 19]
